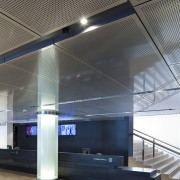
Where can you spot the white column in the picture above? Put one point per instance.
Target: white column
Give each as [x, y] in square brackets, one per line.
[3, 135]
[47, 146]
[48, 89]
[10, 119]
[6, 116]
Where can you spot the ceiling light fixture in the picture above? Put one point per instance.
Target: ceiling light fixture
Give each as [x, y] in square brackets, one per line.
[84, 21]
[91, 28]
[5, 110]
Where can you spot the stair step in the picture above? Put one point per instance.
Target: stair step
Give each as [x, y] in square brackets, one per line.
[136, 149]
[137, 142]
[169, 166]
[162, 162]
[140, 145]
[147, 151]
[155, 176]
[148, 156]
[175, 173]
[172, 169]
[156, 159]
[176, 177]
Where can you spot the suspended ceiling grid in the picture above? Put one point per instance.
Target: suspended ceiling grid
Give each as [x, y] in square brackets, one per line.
[161, 19]
[110, 63]
[13, 35]
[45, 16]
[137, 53]
[73, 71]
[138, 2]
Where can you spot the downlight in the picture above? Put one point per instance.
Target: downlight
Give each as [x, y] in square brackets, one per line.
[84, 21]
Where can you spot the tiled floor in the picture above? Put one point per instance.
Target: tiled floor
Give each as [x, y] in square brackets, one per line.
[12, 175]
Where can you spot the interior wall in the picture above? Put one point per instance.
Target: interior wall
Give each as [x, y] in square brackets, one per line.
[3, 120]
[163, 127]
[3, 136]
[110, 137]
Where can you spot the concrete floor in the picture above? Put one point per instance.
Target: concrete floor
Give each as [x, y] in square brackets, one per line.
[12, 175]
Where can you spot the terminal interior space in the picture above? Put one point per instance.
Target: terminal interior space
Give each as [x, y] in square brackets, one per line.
[90, 89]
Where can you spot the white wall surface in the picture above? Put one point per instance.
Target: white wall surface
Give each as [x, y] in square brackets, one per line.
[3, 136]
[6, 128]
[163, 127]
[3, 120]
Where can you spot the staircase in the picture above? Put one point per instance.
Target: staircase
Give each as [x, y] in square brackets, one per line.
[166, 164]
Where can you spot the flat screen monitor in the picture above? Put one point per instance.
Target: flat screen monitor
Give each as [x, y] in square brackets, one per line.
[31, 130]
[86, 150]
[63, 130]
[67, 130]
[9, 147]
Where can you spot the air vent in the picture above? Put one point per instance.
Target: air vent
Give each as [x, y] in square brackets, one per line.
[12, 35]
[46, 16]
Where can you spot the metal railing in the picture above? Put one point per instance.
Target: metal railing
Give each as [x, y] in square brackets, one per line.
[156, 142]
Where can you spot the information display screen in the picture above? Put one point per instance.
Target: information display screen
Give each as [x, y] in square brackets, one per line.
[63, 130]
[67, 130]
[31, 130]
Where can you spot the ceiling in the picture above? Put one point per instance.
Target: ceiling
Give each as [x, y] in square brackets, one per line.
[128, 66]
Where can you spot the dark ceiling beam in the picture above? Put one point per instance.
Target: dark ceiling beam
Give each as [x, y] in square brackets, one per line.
[100, 19]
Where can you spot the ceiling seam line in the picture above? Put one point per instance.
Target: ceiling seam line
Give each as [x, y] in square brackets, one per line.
[18, 87]
[141, 3]
[76, 57]
[77, 90]
[21, 24]
[40, 76]
[170, 95]
[157, 48]
[45, 77]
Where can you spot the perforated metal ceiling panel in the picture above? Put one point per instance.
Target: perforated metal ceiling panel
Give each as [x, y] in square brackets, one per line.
[137, 2]
[170, 102]
[170, 105]
[123, 51]
[141, 104]
[5, 88]
[83, 108]
[161, 18]
[79, 84]
[161, 98]
[24, 98]
[13, 35]
[45, 16]
[176, 69]
[156, 98]
[111, 61]
[72, 72]
[17, 78]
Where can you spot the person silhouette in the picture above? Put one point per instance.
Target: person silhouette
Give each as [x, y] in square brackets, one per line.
[70, 131]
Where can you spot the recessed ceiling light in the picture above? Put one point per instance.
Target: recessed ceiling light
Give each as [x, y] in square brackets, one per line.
[24, 110]
[84, 21]
[91, 28]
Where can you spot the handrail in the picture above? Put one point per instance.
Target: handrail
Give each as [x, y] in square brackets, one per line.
[157, 139]
[165, 150]
[156, 143]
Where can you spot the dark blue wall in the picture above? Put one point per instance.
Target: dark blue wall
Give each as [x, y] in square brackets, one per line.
[109, 137]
